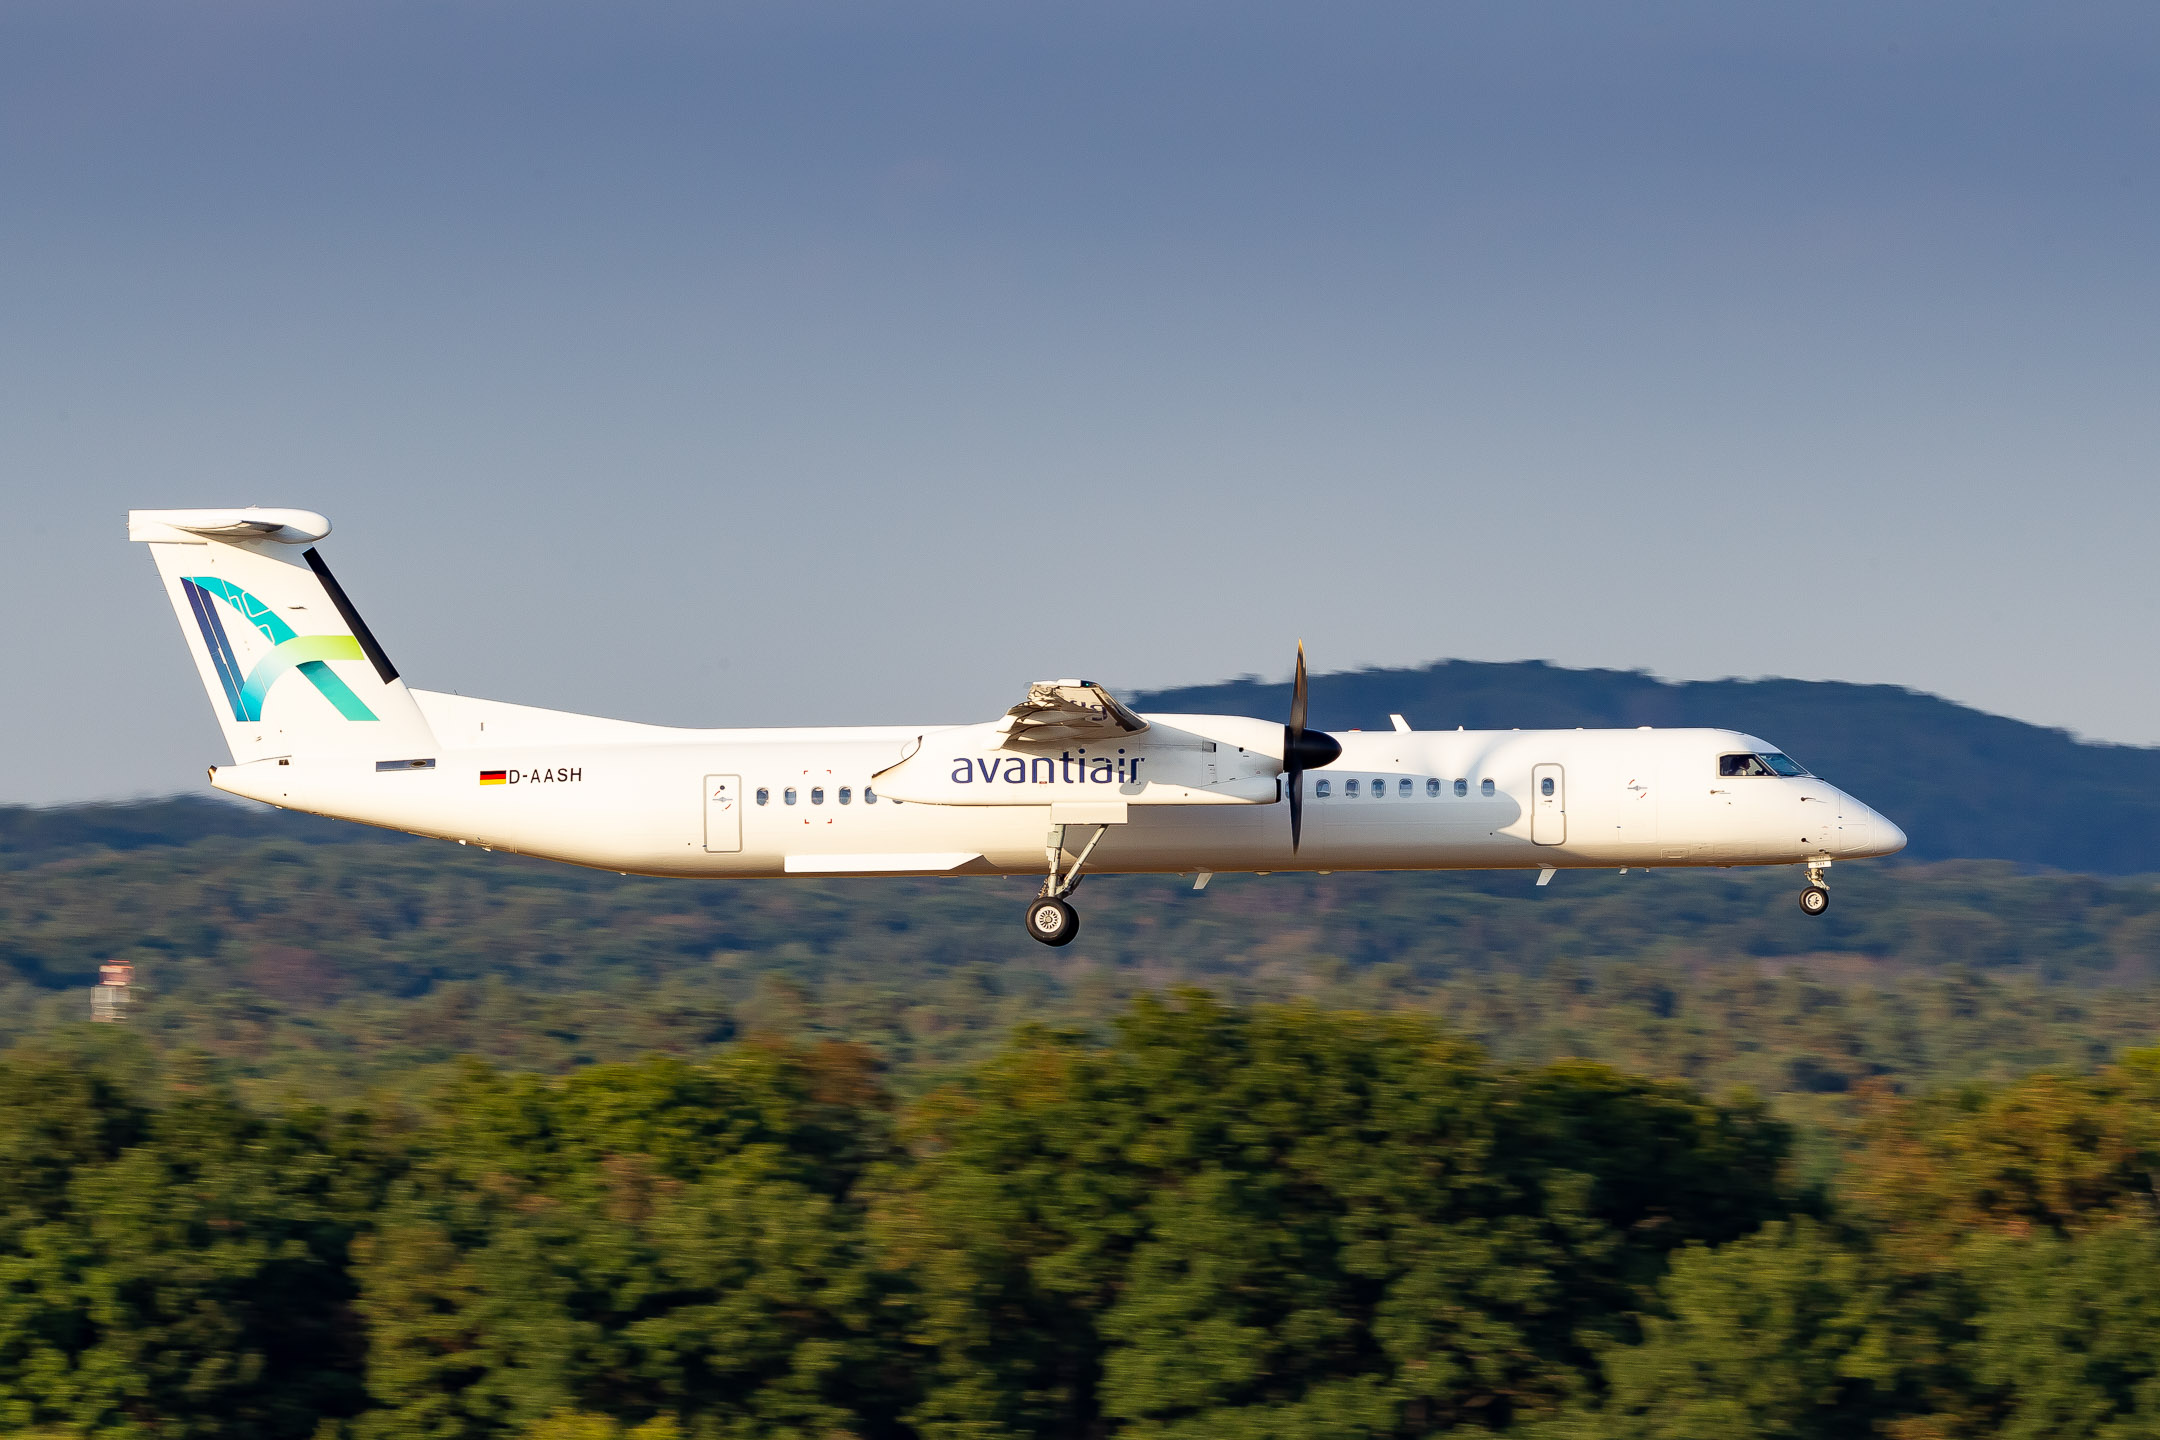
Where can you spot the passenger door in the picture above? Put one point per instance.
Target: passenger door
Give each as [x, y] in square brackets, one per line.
[1548, 805]
[723, 814]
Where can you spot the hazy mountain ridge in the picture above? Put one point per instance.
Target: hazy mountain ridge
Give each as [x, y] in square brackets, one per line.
[37, 835]
[1963, 783]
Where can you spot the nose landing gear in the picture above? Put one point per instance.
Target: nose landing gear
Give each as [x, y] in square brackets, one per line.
[1049, 918]
[1815, 899]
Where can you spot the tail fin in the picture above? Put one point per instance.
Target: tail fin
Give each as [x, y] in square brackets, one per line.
[290, 666]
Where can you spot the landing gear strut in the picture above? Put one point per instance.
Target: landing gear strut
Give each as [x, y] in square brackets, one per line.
[1049, 918]
[1816, 897]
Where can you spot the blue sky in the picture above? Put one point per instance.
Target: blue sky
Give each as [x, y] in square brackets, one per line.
[830, 363]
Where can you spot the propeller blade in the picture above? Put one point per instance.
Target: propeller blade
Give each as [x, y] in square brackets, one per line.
[1302, 751]
[1297, 694]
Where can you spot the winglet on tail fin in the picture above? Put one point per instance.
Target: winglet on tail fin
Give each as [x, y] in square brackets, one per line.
[290, 667]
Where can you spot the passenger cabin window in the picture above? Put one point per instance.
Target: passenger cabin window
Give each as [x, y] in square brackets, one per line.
[1379, 788]
[1402, 787]
[1349, 787]
[1743, 765]
[1545, 786]
[1485, 787]
[846, 794]
[817, 794]
[1321, 789]
[764, 796]
[1462, 788]
[788, 794]
[1432, 788]
[869, 796]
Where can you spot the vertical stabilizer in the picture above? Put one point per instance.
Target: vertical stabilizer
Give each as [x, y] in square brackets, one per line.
[290, 667]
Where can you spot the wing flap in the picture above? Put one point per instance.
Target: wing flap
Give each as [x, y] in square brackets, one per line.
[1063, 712]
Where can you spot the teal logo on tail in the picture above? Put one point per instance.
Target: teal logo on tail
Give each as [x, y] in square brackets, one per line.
[305, 653]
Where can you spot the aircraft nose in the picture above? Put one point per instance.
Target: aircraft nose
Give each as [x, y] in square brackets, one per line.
[1882, 837]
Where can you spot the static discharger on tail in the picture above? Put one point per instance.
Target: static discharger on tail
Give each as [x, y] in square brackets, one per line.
[1069, 781]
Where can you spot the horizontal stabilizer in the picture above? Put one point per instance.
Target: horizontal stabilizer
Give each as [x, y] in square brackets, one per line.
[286, 527]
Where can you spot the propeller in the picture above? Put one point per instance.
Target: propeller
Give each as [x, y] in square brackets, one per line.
[1302, 750]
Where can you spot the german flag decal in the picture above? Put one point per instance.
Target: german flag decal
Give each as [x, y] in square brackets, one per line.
[492, 777]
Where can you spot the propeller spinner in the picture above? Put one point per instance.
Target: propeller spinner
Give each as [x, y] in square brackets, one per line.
[1303, 750]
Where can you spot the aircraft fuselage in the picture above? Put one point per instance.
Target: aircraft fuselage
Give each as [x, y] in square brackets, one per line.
[781, 802]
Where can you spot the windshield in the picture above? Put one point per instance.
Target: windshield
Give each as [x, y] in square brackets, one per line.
[1770, 762]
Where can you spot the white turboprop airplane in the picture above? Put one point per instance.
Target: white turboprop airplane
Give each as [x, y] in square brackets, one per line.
[1067, 780]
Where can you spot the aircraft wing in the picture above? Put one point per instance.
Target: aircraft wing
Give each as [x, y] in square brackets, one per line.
[1058, 712]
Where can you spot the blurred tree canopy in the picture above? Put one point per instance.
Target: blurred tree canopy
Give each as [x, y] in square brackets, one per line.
[1220, 1220]
[1286, 1221]
[400, 1140]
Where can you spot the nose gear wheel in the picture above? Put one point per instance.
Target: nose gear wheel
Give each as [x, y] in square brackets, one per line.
[1815, 899]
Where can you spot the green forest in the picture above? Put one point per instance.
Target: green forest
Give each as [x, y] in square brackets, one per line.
[1235, 1221]
[399, 1139]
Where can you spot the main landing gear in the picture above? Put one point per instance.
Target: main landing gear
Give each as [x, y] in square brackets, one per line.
[1816, 897]
[1049, 918]
[1052, 921]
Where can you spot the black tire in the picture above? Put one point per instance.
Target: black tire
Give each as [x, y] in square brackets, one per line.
[1814, 900]
[1052, 921]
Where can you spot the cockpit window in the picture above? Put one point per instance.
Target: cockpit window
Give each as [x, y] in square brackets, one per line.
[1770, 762]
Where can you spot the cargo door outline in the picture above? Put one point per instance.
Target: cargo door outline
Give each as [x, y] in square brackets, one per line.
[723, 814]
[1548, 805]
